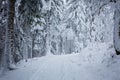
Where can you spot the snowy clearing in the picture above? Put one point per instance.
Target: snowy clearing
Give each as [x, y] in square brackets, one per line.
[96, 62]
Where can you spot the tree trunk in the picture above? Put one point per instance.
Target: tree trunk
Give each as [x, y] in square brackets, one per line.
[11, 14]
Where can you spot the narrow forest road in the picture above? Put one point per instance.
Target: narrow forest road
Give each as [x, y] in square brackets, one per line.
[92, 66]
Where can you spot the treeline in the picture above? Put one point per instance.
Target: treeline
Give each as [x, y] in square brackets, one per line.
[18, 35]
[25, 29]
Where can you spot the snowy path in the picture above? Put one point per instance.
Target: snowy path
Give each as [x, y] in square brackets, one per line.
[82, 66]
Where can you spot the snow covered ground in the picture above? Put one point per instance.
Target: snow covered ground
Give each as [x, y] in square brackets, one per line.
[96, 62]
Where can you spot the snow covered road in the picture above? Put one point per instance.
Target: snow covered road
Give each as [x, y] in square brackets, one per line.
[92, 66]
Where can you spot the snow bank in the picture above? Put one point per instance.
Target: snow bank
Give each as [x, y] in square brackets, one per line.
[98, 52]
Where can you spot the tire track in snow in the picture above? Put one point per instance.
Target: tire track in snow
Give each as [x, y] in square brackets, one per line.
[51, 68]
[61, 71]
[67, 70]
[35, 76]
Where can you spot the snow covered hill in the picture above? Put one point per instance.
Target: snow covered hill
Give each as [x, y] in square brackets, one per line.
[96, 62]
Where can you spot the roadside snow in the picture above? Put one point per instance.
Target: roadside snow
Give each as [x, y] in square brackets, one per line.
[96, 62]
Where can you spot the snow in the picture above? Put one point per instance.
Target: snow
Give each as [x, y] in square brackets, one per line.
[68, 27]
[96, 62]
[116, 27]
[69, 34]
[12, 66]
[46, 5]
